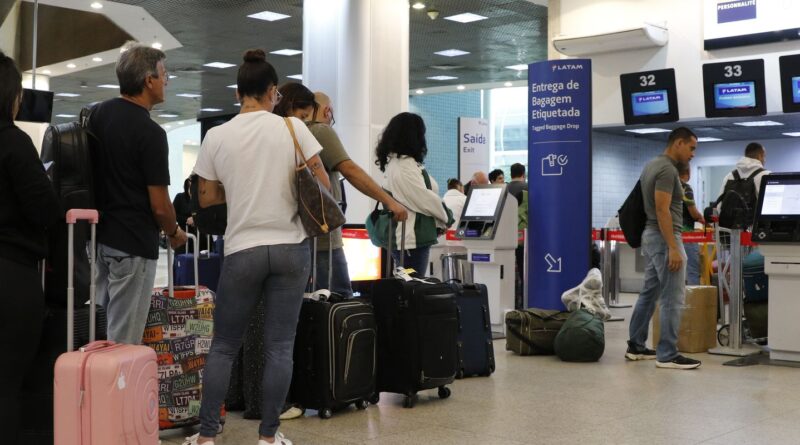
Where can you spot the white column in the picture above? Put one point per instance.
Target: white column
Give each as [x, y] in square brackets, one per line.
[356, 51]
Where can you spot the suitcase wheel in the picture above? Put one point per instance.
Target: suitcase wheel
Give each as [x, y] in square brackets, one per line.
[410, 400]
[362, 404]
[375, 398]
[325, 413]
[444, 392]
[460, 374]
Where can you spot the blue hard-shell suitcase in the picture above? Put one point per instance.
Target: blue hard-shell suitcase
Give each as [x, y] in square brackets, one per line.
[475, 348]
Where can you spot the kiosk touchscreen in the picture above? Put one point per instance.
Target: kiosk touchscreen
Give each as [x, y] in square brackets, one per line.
[482, 212]
[778, 214]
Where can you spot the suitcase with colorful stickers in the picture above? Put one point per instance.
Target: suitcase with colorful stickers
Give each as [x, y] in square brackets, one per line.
[179, 328]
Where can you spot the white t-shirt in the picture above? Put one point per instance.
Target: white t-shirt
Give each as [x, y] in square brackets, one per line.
[253, 156]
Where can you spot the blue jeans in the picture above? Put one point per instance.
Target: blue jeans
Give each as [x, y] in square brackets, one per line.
[416, 259]
[340, 275]
[659, 282]
[124, 287]
[692, 263]
[277, 274]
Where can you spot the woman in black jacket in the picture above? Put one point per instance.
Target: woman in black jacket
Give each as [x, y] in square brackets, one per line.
[27, 207]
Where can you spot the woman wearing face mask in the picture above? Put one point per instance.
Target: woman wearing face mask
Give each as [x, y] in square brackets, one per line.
[28, 206]
[267, 255]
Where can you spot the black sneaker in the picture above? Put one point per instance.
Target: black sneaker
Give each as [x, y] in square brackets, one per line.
[639, 353]
[679, 362]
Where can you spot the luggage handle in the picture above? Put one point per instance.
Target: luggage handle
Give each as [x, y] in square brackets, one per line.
[313, 283]
[170, 273]
[95, 345]
[72, 217]
[389, 248]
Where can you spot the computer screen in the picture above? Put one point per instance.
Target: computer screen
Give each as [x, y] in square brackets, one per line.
[781, 197]
[483, 202]
[650, 103]
[735, 95]
[796, 89]
[363, 258]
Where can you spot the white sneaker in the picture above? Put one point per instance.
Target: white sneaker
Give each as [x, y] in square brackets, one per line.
[280, 439]
[292, 413]
[192, 440]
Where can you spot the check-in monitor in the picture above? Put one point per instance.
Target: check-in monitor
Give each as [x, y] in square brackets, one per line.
[735, 95]
[778, 214]
[482, 211]
[36, 106]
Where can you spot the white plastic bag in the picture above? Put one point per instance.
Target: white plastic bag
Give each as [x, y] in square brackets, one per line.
[588, 294]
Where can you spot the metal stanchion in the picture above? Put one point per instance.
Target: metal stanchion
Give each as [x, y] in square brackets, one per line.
[610, 274]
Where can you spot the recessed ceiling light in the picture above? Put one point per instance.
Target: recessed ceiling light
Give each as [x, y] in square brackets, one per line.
[466, 17]
[269, 16]
[157, 45]
[189, 95]
[418, 5]
[233, 86]
[96, 5]
[211, 110]
[648, 130]
[451, 52]
[507, 84]
[167, 126]
[168, 115]
[108, 85]
[707, 139]
[758, 124]
[520, 67]
[460, 87]
[171, 76]
[287, 52]
[420, 92]
[71, 66]
[219, 65]
[97, 59]
[442, 78]
[47, 72]
[180, 123]
[794, 134]
[67, 94]
[237, 104]
[296, 76]
[66, 115]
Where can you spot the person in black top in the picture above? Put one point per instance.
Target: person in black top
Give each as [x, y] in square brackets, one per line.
[183, 211]
[28, 206]
[131, 179]
[518, 182]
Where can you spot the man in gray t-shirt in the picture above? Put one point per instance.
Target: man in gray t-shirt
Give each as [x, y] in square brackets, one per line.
[665, 273]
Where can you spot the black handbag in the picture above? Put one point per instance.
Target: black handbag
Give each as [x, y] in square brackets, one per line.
[212, 220]
[318, 210]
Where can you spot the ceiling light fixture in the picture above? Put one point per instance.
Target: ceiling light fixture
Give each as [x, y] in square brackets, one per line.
[648, 130]
[71, 66]
[708, 139]
[287, 52]
[168, 115]
[460, 87]
[108, 85]
[67, 116]
[758, 124]
[466, 17]
[237, 104]
[167, 126]
[442, 77]
[520, 67]
[157, 45]
[234, 86]
[296, 76]
[794, 134]
[96, 5]
[418, 5]
[47, 72]
[172, 76]
[67, 94]
[452, 52]
[189, 95]
[211, 110]
[420, 92]
[97, 59]
[508, 84]
[220, 65]
[269, 16]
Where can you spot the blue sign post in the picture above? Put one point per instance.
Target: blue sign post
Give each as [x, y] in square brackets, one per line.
[559, 178]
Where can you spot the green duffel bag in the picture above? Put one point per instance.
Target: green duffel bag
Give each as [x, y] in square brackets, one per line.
[582, 338]
[533, 331]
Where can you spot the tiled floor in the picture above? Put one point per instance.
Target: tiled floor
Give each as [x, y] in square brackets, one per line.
[540, 400]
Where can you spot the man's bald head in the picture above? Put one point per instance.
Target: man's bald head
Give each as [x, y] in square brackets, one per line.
[324, 108]
[480, 178]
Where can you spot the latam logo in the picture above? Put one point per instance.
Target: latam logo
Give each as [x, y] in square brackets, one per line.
[650, 98]
[736, 11]
[570, 66]
[734, 90]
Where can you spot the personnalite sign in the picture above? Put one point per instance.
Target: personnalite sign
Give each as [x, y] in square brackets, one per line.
[730, 23]
[560, 178]
[473, 147]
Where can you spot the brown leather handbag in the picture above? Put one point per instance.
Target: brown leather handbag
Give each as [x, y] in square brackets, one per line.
[319, 212]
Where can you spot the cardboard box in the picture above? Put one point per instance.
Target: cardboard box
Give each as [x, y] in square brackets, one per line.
[698, 330]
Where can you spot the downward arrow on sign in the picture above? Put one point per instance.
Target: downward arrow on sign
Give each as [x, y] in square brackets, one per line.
[552, 263]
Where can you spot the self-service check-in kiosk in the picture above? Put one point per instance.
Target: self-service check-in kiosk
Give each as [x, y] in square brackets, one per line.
[777, 231]
[488, 227]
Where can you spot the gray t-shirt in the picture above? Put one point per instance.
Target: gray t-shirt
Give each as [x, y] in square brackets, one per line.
[661, 174]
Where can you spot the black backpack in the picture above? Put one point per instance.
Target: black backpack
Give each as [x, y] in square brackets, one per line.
[739, 199]
[212, 220]
[632, 217]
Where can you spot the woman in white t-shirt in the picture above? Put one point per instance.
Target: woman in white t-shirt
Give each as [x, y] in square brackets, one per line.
[267, 255]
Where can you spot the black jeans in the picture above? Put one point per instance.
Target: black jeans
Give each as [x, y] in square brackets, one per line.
[20, 329]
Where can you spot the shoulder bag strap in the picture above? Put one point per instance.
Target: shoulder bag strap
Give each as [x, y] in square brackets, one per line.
[736, 175]
[297, 150]
[755, 173]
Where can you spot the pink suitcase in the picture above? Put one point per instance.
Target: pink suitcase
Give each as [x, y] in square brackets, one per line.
[105, 393]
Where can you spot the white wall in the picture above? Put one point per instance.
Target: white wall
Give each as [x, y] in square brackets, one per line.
[177, 137]
[8, 31]
[684, 52]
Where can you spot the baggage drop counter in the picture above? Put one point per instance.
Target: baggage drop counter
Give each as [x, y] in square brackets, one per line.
[488, 227]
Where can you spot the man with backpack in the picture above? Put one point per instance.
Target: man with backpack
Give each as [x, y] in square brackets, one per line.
[738, 196]
[665, 273]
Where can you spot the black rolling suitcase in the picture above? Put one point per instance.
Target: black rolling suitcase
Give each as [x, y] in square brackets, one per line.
[334, 353]
[417, 330]
[475, 348]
